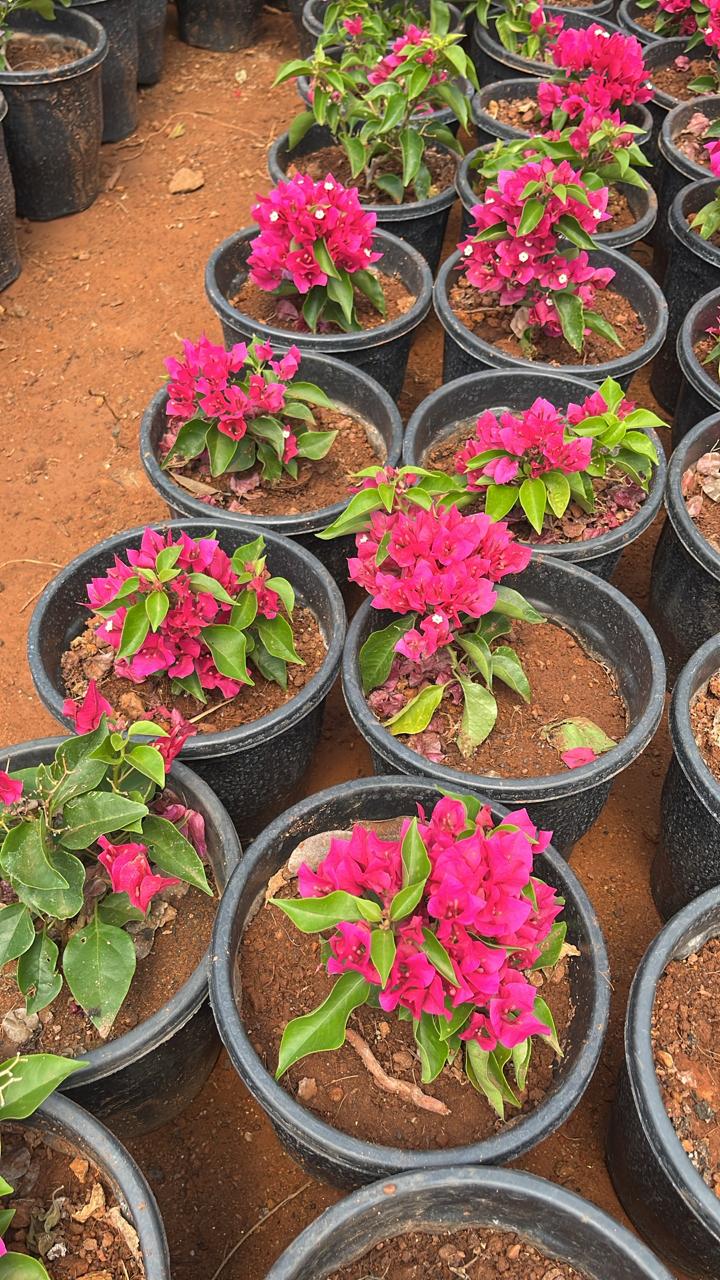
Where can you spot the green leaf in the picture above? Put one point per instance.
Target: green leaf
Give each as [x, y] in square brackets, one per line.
[479, 651]
[640, 443]
[532, 214]
[271, 668]
[157, 604]
[355, 516]
[479, 716]
[461, 1015]
[602, 327]
[97, 814]
[542, 1012]
[276, 634]
[521, 1055]
[312, 915]
[74, 749]
[533, 497]
[17, 933]
[190, 685]
[299, 127]
[285, 592]
[37, 975]
[117, 909]
[83, 777]
[512, 605]
[244, 612]
[499, 499]
[438, 956]
[370, 285]
[19, 1266]
[324, 1028]
[507, 667]
[378, 652]
[28, 1079]
[552, 946]
[189, 443]
[341, 291]
[135, 629]
[482, 1076]
[382, 952]
[573, 232]
[392, 185]
[323, 259]
[415, 860]
[297, 390]
[99, 965]
[406, 900]
[558, 491]
[572, 318]
[315, 444]
[565, 735]
[228, 646]
[416, 715]
[173, 854]
[412, 146]
[49, 883]
[433, 1049]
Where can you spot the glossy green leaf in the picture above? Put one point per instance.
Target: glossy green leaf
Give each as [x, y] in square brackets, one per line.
[324, 1028]
[507, 667]
[511, 604]
[135, 629]
[37, 975]
[477, 648]
[97, 814]
[228, 647]
[312, 915]
[17, 933]
[189, 443]
[149, 762]
[276, 634]
[378, 652]
[478, 718]
[532, 214]
[117, 909]
[542, 1012]
[28, 1079]
[416, 715]
[173, 854]
[572, 318]
[499, 499]
[99, 964]
[533, 499]
[382, 952]
[438, 956]
[552, 946]
[433, 1049]
[558, 491]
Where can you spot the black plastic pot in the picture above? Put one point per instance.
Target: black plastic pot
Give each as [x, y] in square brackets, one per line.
[325, 1151]
[148, 1076]
[54, 123]
[699, 391]
[612, 630]
[627, 13]
[685, 582]
[420, 223]
[313, 17]
[60, 1119]
[676, 170]
[120, 69]
[642, 202]
[693, 268]
[660, 53]
[255, 764]
[465, 352]
[223, 25]
[461, 402]
[488, 129]
[659, 1188]
[353, 391]
[557, 1222]
[494, 62]
[10, 264]
[381, 352]
[687, 862]
[151, 40]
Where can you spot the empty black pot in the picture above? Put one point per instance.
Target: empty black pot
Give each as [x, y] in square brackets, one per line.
[325, 1151]
[685, 582]
[381, 352]
[699, 391]
[10, 264]
[465, 352]
[151, 40]
[255, 764]
[420, 223]
[627, 15]
[494, 62]
[488, 129]
[557, 1222]
[612, 630]
[59, 1118]
[223, 25]
[676, 169]
[693, 268]
[659, 1188]
[458, 404]
[352, 390]
[120, 69]
[54, 123]
[687, 862]
[148, 1076]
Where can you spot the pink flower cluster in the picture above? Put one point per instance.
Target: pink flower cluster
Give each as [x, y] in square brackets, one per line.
[603, 71]
[404, 49]
[130, 872]
[713, 150]
[439, 563]
[11, 789]
[229, 387]
[532, 442]
[297, 214]
[474, 902]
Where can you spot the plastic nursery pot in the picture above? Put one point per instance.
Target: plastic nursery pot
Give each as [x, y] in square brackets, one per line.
[459, 403]
[464, 352]
[151, 40]
[693, 268]
[313, 14]
[381, 352]
[148, 1076]
[657, 54]
[61, 1119]
[627, 18]
[676, 169]
[612, 630]
[327, 1152]
[659, 1188]
[642, 202]
[54, 122]
[353, 391]
[420, 223]
[699, 391]
[120, 69]
[685, 582]
[10, 264]
[557, 1222]
[250, 766]
[222, 25]
[687, 862]
[488, 129]
[494, 62]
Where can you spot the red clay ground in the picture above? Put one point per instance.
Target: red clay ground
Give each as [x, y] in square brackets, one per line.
[102, 299]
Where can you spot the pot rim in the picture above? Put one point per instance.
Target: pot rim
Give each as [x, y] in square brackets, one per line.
[242, 737]
[78, 67]
[528, 85]
[689, 332]
[162, 1025]
[684, 528]
[520, 791]
[332, 344]
[672, 124]
[519, 1136]
[482, 38]
[686, 750]
[678, 224]
[628, 23]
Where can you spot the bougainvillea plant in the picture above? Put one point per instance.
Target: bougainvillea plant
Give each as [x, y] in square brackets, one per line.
[523, 27]
[707, 220]
[184, 608]
[88, 841]
[315, 250]
[529, 252]
[443, 926]
[26, 1080]
[382, 111]
[46, 9]
[599, 73]
[378, 24]
[241, 410]
[544, 458]
[674, 17]
[713, 356]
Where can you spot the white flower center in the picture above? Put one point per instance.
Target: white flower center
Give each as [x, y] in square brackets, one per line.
[319, 214]
[562, 278]
[597, 213]
[437, 618]
[328, 186]
[286, 435]
[523, 257]
[468, 250]
[274, 215]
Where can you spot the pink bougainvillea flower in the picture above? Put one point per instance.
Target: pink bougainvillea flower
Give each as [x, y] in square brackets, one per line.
[578, 756]
[178, 730]
[86, 715]
[11, 789]
[353, 26]
[130, 872]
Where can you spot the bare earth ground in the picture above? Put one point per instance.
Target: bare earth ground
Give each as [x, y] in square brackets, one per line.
[103, 297]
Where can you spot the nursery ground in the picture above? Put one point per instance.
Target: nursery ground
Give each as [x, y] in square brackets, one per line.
[103, 297]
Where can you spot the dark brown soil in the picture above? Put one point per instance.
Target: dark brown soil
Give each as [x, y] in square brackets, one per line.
[472, 1254]
[705, 722]
[675, 82]
[702, 350]
[86, 660]
[685, 1027]
[519, 113]
[66, 1214]
[263, 306]
[42, 53]
[319, 483]
[492, 323]
[318, 164]
[282, 978]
